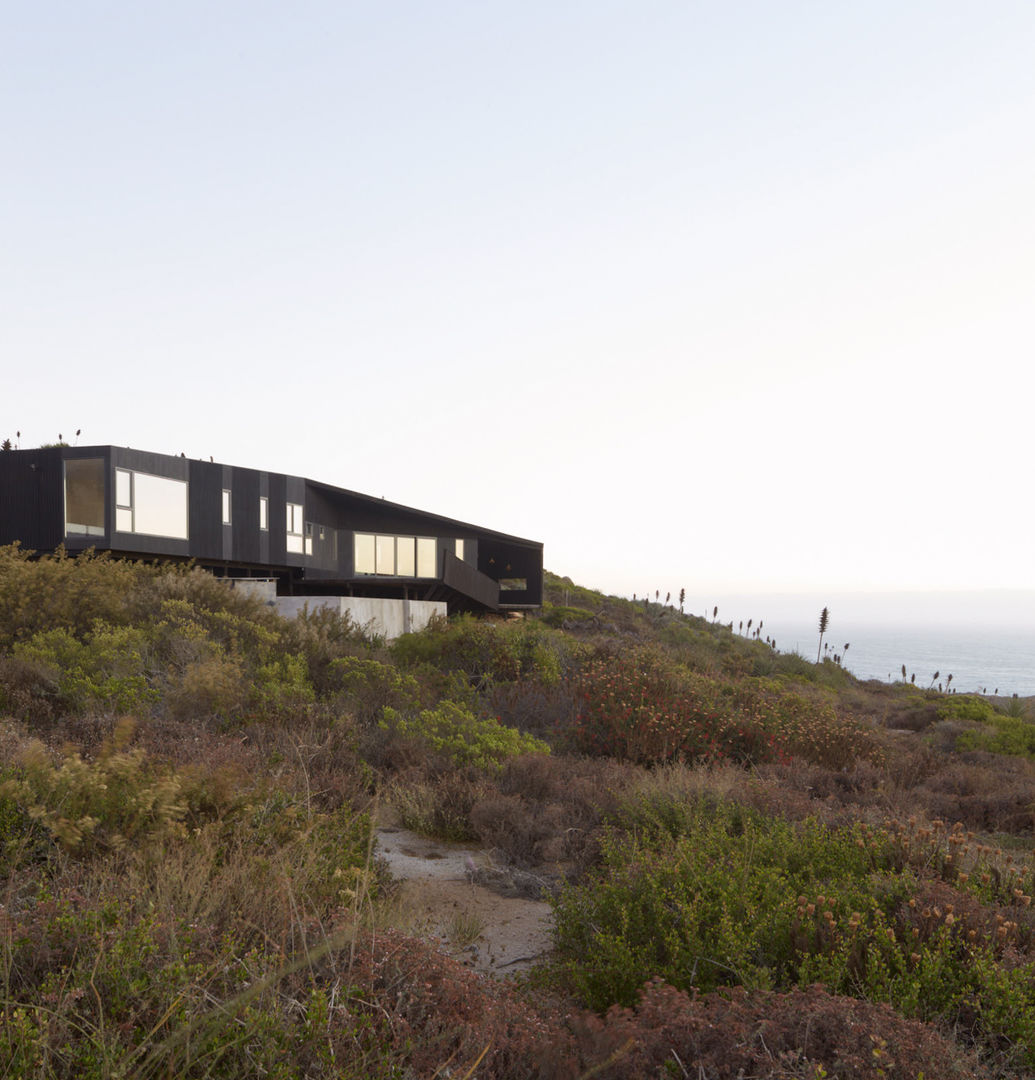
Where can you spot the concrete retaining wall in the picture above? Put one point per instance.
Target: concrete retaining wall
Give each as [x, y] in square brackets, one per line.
[387, 617]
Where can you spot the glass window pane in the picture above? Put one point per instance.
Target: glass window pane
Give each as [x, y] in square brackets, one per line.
[264, 512]
[159, 506]
[459, 549]
[294, 518]
[405, 556]
[294, 543]
[386, 554]
[363, 554]
[123, 488]
[427, 563]
[124, 520]
[226, 507]
[84, 496]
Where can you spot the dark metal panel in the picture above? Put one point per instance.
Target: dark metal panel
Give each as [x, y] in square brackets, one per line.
[205, 498]
[465, 579]
[278, 525]
[508, 560]
[244, 499]
[32, 498]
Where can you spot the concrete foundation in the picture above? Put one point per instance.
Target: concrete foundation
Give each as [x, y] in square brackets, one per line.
[390, 618]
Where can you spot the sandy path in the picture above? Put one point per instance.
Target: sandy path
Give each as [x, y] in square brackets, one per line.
[439, 894]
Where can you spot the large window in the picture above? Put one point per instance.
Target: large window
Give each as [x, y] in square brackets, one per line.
[84, 497]
[295, 538]
[150, 505]
[397, 556]
[427, 557]
[385, 547]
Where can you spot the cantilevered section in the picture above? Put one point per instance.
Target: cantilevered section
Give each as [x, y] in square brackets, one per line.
[312, 537]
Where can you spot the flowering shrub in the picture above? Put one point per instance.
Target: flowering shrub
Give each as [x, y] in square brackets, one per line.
[641, 709]
[811, 727]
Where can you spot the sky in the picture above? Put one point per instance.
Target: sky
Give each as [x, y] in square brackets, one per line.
[731, 297]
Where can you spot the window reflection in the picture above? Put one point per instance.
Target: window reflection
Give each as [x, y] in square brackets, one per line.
[295, 541]
[363, 552]
[398, 556]
[150, 505]
[385, 554]
[159, 506]
[427, 560]
[84, 497]
[405, 556]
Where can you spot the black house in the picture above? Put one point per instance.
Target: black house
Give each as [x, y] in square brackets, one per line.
[314, 539]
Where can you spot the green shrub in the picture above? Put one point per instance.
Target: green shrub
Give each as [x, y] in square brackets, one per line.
[89, 806]
[56, 591]
[705, 898]
[715, 895]
[559, 616]
[455, 732]
[282, 682]
[369, 686]
[105, 670]
[967, 707]
[209, 686]
[1001, 735]
[487, 651]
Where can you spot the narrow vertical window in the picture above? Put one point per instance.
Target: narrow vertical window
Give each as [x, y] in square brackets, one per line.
[405, 560]
[123, 500]
[363, 556]
[226, 507]
[295, 540]
[264, 513]
[385, 546]
[460, 549]
[427, 558]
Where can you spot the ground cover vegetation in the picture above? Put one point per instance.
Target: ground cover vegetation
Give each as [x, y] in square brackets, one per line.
[759, 866]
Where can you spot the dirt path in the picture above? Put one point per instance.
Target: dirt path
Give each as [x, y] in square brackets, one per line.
[492, 933]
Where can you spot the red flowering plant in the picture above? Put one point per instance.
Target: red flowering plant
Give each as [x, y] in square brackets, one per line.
[642, 708]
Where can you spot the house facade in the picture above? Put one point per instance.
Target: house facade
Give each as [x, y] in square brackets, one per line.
[311, 539]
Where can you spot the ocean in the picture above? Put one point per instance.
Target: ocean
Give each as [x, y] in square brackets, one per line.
[980, 659]
[986, 641]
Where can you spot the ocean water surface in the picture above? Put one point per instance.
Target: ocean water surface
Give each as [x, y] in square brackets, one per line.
[985, 640]
[980, 659]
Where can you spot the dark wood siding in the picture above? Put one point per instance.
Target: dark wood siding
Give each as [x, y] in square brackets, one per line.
[32, 512]
[32, 498]
[245, 513]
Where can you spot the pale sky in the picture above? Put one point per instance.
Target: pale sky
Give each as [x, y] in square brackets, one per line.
[731, 296]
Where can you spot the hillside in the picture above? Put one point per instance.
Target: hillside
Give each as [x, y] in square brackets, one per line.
[758, 866]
